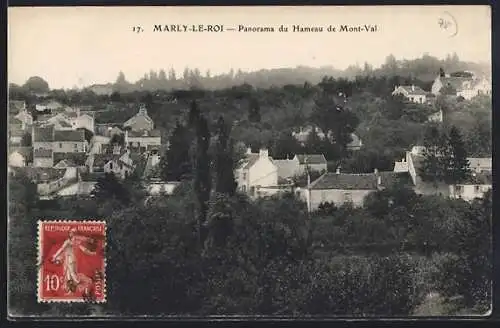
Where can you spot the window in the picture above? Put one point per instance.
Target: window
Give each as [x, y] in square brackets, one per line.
[60, 145]
[244, 188]
[459, 190]
[477, 189]
[121, 166]
[111, 165]
[347, 197]
[244, 175]
[75, 146]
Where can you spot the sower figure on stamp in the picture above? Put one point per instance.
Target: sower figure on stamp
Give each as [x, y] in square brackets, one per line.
[72, 278]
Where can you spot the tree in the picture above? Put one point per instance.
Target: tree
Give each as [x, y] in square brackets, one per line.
[176, 164]
[194, 114]
[253, 110]
[36, 84]
[433, 164]
[335, 121]
[109, 187]
[225, 182]
[202, 177]
[458, 166]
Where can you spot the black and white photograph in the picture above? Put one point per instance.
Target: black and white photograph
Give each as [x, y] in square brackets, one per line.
[249, 162]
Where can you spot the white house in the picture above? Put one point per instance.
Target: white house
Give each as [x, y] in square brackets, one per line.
[411, 92]
[257, 170]
[436, 117]
[479, 165]
[475, 187]
[476, 88]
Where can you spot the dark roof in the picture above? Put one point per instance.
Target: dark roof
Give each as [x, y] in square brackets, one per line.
[77, 158]
[250, 160]
[102, 159]
[417, 91]
[389, 179]
[45, 153]
[312, 159]
[94, 176]
[43, 134]
[72, 135]
[344, 181]
[484, 178]
[25, 151]
[455, 82]
[41, 173]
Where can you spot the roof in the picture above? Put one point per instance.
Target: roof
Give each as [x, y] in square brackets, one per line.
[43, 153]
[41, 173]
[483, 178]
[73, 135]
[414, 90]
[355, 142]
[77, 158]
[345, 181]
[249, 161]
[43, 134]
[64, 124]
[24, 151]
[455, 82]
[102, 159]
[92, 176]
[390, 179]
[400, 167]
[312, 159]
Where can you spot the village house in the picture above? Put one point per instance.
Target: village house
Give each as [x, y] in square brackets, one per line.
[142, 140]
[63, 160]
[348, 188]
[480, 165]
[50, 105]
[43, 157]
[117, 162]
[301, 136]
[481, 173]
[42, 137]
[70, 141]
[437, 117]
[256, 170]
[16, 137]
[466, 87]
[411, 92]
[20, 156]
[474, 187]
[140, 121]
[298, 165]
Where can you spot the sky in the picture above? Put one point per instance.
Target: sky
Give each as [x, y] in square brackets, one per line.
[75, 46]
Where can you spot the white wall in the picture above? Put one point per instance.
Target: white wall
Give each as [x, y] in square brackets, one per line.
[263, 173]
[338, 197]
[16, 160]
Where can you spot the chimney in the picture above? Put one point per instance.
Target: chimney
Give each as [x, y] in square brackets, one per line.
[337, 171]
[412, 87]
[375, 171]
[78, 112]
[263, 153]
[379, 181]
[249, 151]
[126, 137]
[395, 87]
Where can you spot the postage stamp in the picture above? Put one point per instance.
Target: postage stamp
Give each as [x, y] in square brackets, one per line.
[72, 261]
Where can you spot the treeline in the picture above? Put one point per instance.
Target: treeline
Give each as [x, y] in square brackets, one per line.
[265, 257]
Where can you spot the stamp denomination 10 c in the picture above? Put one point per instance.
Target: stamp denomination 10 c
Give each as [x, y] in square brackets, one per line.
[72, 261]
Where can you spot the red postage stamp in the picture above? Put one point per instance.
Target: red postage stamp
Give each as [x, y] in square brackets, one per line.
[72, 261]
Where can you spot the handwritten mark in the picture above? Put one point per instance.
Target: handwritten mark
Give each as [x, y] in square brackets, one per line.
[448, 24]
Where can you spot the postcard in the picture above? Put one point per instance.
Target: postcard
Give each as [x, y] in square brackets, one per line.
[249, 162]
